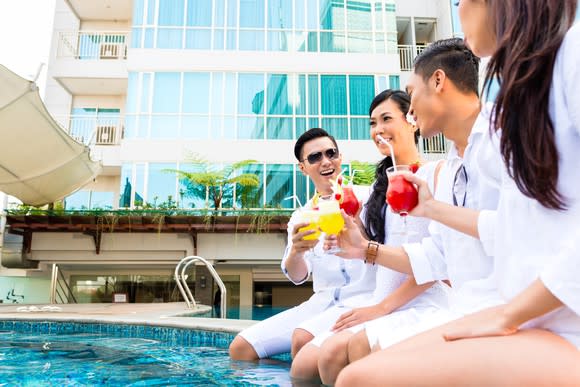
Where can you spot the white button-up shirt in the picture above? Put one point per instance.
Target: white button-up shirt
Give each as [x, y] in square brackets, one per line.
[334, 279]
[531, 241]
[450, 254]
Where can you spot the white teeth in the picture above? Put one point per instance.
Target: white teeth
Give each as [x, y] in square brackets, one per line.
[327, 172]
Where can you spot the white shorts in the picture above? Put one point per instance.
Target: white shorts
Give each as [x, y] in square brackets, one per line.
[274, 335]
[398, 326]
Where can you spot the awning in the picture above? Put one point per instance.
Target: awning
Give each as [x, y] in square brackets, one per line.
[39, 162]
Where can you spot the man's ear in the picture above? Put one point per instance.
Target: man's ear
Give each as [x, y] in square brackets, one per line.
[301, 166]
[438, 78]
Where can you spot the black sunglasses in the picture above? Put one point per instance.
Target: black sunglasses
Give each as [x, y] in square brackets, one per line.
[460, 187]
[316, 157]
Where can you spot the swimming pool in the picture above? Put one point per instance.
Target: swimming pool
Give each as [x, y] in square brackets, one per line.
[67, 353]
[257, 313]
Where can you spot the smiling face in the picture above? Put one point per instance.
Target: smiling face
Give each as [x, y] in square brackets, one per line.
[475, 18]
[426, 107]
[324, 170]
[388, 121]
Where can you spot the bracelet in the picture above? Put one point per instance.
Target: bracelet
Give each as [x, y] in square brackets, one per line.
[372, 250]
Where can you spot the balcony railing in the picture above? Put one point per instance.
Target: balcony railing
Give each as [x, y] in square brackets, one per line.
[93, 130]
[408, 53]
[92, 45]
[433, 145]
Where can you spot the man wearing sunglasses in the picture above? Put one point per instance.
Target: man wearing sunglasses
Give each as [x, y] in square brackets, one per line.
[334, 279]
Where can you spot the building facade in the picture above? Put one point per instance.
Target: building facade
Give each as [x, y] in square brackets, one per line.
[153, 86]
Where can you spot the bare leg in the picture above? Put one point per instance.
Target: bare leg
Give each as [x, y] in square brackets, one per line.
[358, 346]
[305, 363]
[300, 338]
[240, 349]
[333, 356]
[527, 358]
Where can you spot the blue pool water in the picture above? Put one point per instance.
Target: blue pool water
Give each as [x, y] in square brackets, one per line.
[75, 354]
[258, 313]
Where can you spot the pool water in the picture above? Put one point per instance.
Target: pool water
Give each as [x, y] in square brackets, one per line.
[101, 354]
[257, 313]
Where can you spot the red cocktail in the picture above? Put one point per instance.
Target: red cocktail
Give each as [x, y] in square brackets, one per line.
[402, 196]
[350, 203]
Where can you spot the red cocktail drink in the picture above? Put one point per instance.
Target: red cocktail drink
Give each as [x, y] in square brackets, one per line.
[402, 196]
[350, 203]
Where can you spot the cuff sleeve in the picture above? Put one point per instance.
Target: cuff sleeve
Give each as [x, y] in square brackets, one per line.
[486, 228]
[426, 261]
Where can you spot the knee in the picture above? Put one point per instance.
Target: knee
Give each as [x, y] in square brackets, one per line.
[358, 347]
[240, 349]
[331, 352]
[350, 376]
[305, 364]
[300, 338]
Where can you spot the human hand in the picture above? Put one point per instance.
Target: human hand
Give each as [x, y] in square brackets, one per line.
[425, 195]
[357, 316]
[488, 322]
[350, 240]
[299, 244]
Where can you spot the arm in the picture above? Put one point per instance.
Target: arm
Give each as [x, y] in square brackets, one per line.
[294, 264]
[401, 296]
[459, 218]
[535, 301]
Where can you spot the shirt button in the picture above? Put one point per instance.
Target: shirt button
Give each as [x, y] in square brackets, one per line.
[335, 298]
[343, 270]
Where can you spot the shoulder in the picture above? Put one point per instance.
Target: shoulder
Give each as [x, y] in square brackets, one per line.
[569, 53]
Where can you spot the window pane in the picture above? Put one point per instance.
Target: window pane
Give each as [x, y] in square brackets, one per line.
[360, 42]
[171, 13]
[161, 184]
[166, 93]
[358, 15]
[149, 37]
[252, 13]
[138, 12]
[139, 189]
[251, 127]
[101, 200]
[300, 11]
[300, 103]
[252, 40]
[230, 92]
[77, 201]
[169, 38]
[279, 128]
[279, 185]
[219, 13]
[164, 126]
[280, 14]
[198, 39]
[196, 93]
[300, 126]
[394, 82]
[151, 12]
[333, 96]
[361, 89]
[190, 194]
[301, 187]
[251, 93]
[145, 88]
[277, 95]
[194, 127]
[232, 7]
[125, 188]
[337, 127]
[359, 129]
[312, 94]
[136, 37]
[251, 197]
[199, 13]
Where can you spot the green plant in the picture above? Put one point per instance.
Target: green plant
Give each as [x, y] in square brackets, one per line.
[364, 172]
[216, 182]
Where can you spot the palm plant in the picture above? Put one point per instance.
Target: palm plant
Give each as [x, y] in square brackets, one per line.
[215, 181]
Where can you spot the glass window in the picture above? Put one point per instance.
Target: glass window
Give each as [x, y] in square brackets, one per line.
[77, 201]
[300, 91]
[169, 37]
[359, 128]
[171, 13]
[164, 126]
[138, 12]
[277, 95]
[250, 127]
[149, 38]
[190, 194]
[132, 92]
[251, 197]
[280, 14]
[358, 15]
[457, 32]
[312, 14]
[252, 13]
[195, 127]
[145, 93]
[301, 187]
[361, 92]
[300, 7]
[161, 184]
[251, 93]
[196, 93]
[198, 39]
[126, 188]
[151, 12]
[279, 128]
[232, 17]
[229, 93]
[219, 13]
[333, 96]
[252, 40]
[337, 127]
[301, 126]
[313, 94]
[199, 13]
[166, 93]
[101, 200]
[279, 185]
[394, 82]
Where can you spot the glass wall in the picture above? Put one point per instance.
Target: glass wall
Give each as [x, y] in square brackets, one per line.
[89, 200]
[266, 25]
[257, 106]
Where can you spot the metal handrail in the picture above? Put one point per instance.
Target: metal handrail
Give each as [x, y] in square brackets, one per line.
[58, 289]
[184, 288]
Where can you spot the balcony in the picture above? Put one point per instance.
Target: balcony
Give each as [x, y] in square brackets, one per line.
[407, 55]
[433, 148]
[93, 130]
[92, 62]
[108, 10]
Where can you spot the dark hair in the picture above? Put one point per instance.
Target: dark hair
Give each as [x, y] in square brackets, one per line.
[529, 34]
[309, 135]
[455, 59]
[375, 205]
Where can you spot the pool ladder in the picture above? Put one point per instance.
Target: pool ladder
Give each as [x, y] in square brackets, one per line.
[180, 279]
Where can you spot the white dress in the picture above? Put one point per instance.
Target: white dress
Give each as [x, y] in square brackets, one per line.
[388, 280]
[530, 241]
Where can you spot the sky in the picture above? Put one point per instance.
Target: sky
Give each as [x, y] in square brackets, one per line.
[25, 36]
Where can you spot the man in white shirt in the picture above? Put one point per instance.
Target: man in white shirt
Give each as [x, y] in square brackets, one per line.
[444, 98]
[334, 278]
